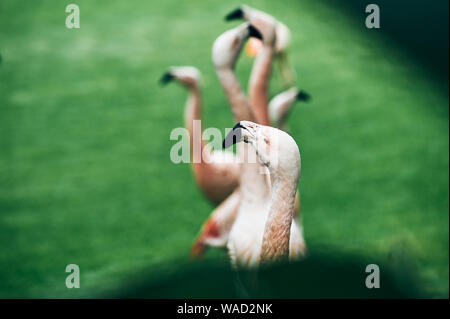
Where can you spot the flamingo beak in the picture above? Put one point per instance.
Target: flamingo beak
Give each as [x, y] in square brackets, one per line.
[240, 133]
[234, 136]
[253, 32]
[235, 14]
[303, 96]
[166, 78]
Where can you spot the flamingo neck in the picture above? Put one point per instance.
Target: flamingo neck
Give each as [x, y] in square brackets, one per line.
[240, 106]
[283, 115]
[275, 244]
[255, 188]
[193, 112]
[259, 83]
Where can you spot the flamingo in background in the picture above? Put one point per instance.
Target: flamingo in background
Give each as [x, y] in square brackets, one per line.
[217, 174]
[276, 40]
[278, 151]
[260, 75]
[281, 45]
[281, 104]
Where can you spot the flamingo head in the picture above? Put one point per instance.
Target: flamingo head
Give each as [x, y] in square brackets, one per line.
[188, 76]
[276, 149]
[228, 45]
[264, 22]
[281, 104]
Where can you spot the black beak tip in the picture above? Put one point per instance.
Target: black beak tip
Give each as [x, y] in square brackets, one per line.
[253, 32]
[303, 96]
[233, 136]
[238, 125]
[166, 78]
[235, 14]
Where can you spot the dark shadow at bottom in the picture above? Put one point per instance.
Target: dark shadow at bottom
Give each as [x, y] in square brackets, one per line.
[322, 275]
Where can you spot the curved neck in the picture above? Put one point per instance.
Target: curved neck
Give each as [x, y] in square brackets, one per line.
[283, 115]
[259, 83]
[193, 112]
[238, 101]
[275, 245]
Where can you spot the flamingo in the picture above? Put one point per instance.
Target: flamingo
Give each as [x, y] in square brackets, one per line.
[217, 172]
[282, 39]
[276, 40]
[274, 237]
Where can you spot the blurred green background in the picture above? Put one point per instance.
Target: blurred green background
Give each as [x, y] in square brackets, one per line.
[85, 172]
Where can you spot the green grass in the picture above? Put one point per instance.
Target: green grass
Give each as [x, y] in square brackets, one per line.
[85, 172]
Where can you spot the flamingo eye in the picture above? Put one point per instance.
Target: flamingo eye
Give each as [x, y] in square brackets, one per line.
[266, 140]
